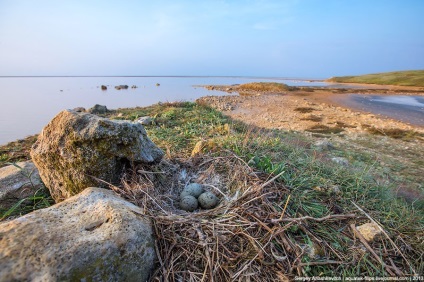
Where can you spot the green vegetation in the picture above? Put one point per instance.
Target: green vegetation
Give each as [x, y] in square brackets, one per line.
[265, 87]
[290, 208]
[401, 78]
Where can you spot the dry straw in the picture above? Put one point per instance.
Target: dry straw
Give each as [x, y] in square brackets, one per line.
[245, 238]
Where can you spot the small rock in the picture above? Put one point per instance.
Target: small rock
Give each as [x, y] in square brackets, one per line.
[134, 86]
[18, 182]
[198, 148]
[157, 84]
[369, 231]
[340, 161]
[208, 200]
[145, 120]
[79, 109]
[119, 87]
[189, 203]
[94, 236]
[104, 87]
[324, 145]
[98, 109]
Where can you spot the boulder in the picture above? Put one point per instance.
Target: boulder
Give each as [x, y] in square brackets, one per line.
[18, 182]
[94, 236]
[76, 148]
[98, 109]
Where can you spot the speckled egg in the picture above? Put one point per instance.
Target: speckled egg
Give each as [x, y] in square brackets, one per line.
[189, 203]
[208, 200]
[193, 189]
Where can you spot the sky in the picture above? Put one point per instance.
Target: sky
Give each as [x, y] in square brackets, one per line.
[274, 38]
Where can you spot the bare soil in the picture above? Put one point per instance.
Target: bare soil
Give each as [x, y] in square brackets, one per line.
[305, 110]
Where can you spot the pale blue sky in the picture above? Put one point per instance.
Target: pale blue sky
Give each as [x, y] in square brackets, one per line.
[284, 38]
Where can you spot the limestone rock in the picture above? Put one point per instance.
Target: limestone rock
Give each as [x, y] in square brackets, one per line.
[94, 236]
[145, 120]
[18, 183]
[198, 148]
[98, 109]
[75, 147]
[341, 161]
[79, 109]
[324, 145]
[369, 231]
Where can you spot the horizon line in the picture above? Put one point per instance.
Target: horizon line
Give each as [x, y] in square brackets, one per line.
[182, 76]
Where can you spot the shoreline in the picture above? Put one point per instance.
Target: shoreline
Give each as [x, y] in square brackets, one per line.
[307, 109]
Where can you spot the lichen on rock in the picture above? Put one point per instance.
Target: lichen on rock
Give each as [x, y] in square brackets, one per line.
[93, 236]
[76, 149]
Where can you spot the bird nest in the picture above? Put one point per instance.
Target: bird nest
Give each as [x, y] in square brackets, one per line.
[245, 238]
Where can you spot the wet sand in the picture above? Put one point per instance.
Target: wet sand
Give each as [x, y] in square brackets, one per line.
[405, 111]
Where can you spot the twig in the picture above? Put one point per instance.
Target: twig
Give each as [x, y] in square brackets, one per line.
[320, 262]
[117, 189]
[365, 243]
[285, 206]
[217, 189]
[328, 217]
[385, 234]
[150, 172]
[266, 183]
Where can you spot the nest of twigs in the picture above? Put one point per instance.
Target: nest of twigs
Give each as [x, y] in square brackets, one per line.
[244, 238]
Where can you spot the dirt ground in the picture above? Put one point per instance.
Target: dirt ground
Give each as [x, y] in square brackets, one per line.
[302, 111]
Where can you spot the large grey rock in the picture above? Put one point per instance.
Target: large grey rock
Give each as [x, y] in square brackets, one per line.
[75, 147]
[94, 236]
[18, 182]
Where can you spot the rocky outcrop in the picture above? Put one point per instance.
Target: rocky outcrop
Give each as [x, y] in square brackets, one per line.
[18, 182]
[94, 236]
[75, 148]
[98, 109]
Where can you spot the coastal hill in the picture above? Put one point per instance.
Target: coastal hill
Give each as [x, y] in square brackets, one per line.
[401, 78]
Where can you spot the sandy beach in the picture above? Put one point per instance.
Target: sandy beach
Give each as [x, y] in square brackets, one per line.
[313, 110]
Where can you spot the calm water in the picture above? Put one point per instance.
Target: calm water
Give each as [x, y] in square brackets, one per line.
[408, 109]
[29, 103]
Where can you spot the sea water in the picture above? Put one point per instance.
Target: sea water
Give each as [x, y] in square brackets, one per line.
[27, 104]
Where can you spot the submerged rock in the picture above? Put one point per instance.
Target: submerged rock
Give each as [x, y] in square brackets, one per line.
[18, 182]
[94, 236]
[76, 148]
[119, 87]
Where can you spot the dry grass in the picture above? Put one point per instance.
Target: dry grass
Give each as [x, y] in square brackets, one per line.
[324, 129]
[250, 236]
[312, 118]
[304, 110]
[395, 133]
[265, 87]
